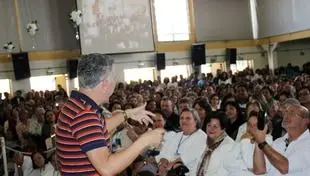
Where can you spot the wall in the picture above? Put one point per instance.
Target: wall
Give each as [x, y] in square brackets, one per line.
[55, 29]
[8, 29]
[128, 61]
[38, 68]
[291, 53]
[287, 53]
[277, 17]
[125, 61]
[223, 20]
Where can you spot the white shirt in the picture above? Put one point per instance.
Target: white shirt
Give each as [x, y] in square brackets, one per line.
[191, 148]
[241, 131]
[227, 81]
[220, 159]
[48, 170]
[172, 85]
[28, 170]
[297, 154]
[27, 167]
[123, 137]
[244, 151]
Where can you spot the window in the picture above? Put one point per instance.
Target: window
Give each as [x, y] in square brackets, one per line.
[135, 74]
[206, 68]
[76, 83]
[172, 24]
[176, 70]
[43, 83]
[241, 65]
[213, 67]
[5, 86]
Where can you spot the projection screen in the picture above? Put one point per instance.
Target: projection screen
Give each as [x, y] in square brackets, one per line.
[115, 26]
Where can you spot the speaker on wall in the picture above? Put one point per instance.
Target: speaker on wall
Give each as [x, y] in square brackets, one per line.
[198, 54]
[21, 65]
[160, 61]
[231, 54]
[72, 68]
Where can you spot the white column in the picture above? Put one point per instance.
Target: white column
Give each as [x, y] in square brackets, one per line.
[272, 57]
[3, 150]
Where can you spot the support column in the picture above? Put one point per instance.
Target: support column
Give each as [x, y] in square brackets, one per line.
[272, 57]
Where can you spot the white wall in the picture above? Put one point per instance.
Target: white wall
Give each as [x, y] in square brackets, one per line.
[291, 53]
[246, 53]
[126, 61]
[38, 68]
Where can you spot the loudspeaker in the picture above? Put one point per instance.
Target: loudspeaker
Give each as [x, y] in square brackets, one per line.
[21, 65]
[231, 55]
[72, 68]
[160, 61]
[198, 54]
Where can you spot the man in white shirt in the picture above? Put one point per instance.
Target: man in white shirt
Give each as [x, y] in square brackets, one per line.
[288, 154]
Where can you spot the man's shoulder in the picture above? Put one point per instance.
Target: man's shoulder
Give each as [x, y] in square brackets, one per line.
[280, 141]
[73, 108]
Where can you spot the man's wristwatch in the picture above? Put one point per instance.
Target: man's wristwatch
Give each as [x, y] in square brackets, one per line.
[262, 145]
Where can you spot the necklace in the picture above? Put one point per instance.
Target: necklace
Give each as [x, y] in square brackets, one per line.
[181, 142]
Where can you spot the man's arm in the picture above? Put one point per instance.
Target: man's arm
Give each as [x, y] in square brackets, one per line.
[115, 120]
[279, 161]
[138, 114]
[275, 158]
[259, 164]
[107, 163]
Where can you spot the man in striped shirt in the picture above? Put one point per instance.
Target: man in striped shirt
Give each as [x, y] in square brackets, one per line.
[82, 139]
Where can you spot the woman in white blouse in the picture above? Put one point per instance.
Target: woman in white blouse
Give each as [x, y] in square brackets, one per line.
[252, 105]
[216, 157]
[185, 146]
[41, 166]
[36, 165]
[244, 149]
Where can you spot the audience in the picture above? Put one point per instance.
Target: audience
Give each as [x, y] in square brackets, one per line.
[220, 137]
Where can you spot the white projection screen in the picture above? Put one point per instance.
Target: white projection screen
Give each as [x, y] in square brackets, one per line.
[115, 26]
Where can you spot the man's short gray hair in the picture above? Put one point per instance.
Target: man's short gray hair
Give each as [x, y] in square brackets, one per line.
[93, 68]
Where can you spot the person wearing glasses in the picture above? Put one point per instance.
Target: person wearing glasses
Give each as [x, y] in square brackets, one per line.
[289, 154]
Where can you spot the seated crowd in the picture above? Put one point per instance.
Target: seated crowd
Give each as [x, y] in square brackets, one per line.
[229, 124]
